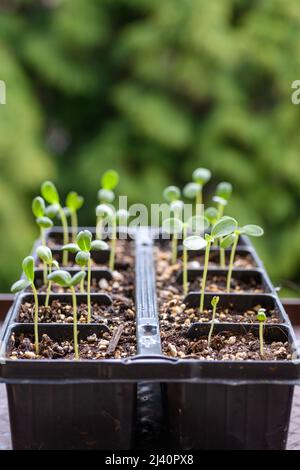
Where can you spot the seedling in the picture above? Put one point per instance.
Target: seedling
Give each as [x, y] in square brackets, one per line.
[44, 222]
[106, 195]
[64, 279]
[222, 228]
[176, 226]
[50, 194]
[214, 304]
[22, 284]
[222, 196]
[195, 190]
[74, 202]
[233, 239]
[211, 214]
[261, 317]
[172, 195]
[45, 254]
[39, 211]
[83, 247]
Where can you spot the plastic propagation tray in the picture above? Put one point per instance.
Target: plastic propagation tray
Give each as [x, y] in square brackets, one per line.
[92, 404]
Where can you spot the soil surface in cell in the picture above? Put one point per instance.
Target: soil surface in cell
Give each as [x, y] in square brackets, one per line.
[167, 280]
[196, 261]
[174, 313]
[93, 347]
[224, 346]
[120, 283]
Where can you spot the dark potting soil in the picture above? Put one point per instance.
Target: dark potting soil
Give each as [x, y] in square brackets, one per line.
[242, 261]
[121, 283]
[62, 312]
[224, 346]
[167, 280]
[174, 313]
[93, 347]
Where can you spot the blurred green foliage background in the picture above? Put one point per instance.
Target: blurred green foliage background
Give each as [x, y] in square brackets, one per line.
[153, 88]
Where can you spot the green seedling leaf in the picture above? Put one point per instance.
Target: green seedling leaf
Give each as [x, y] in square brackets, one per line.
[71, 247]
[211, 213]
[252, 230]
[103, 210]
[49, 192]
[171, 193]
[38, 207]
[220, 200]
[82, 258]
[191, 190]
[98, 245]
[198, 223]
[194, 243]
[224, 191]
[20, 285]
[225, 226]
[60, 277]
[52, 210]
[84, 240]
[215, 301]
[201, 176]
[74, 202]
[261, 315]
[123, 215]
[172, 226]
[177, 206]
[106, 195]
[28, 268]
[227, 241]
[77, 278]
[44, 222]
[55, 264]
[45, 254]
[110, 180]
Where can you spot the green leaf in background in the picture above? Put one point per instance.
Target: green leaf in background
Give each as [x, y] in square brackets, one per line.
[49, 192]
[20, 285]
[61, 277]
[110, 180]
[38, 207]
[225, 226]
[74, 202]
[84, 240]
[28, 268]
[44, 222]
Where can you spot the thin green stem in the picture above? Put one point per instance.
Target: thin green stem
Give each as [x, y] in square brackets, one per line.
[43, 241]
[261, 338]
[231, 262]
[89, 290]
[99, 227]
[204, 277]
[66, 234]
[48, 289]
[74, 223]
[82, 283]
[185, 262]
[222, 258]
[75, 332]
[199, 201]
[36, 318]
[174, 248]
[113, 245]
[43, 236]
[212, 325]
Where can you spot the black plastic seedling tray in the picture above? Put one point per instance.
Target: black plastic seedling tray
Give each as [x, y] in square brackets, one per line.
[59, 404]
